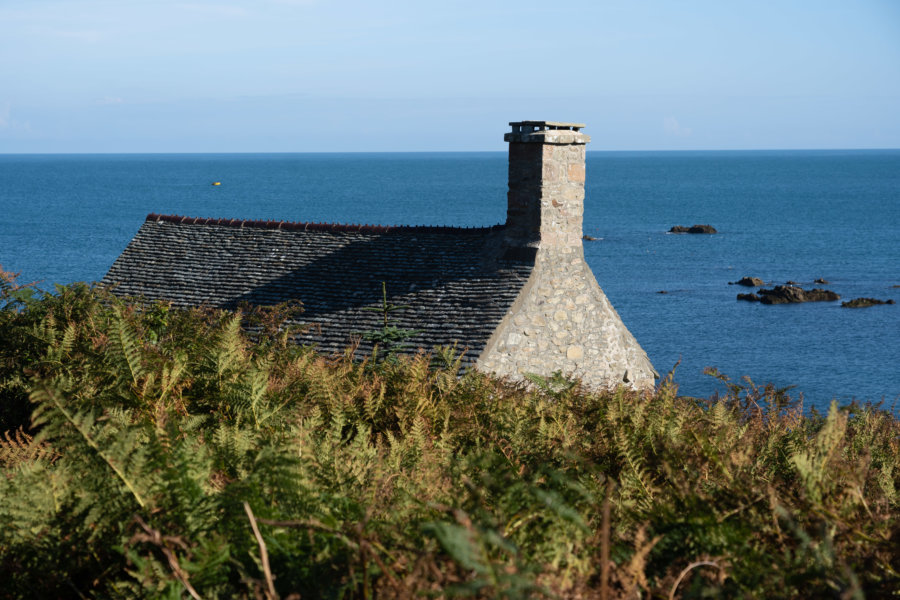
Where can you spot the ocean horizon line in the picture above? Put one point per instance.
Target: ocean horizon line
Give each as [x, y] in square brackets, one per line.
[736, 151]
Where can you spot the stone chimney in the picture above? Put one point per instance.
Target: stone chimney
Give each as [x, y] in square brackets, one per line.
[546, 184]
[561, 320]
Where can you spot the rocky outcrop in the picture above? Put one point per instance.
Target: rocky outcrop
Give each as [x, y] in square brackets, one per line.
[748, 282]
[822, 281]
[864, 302]
[693, 229]
[784, 294]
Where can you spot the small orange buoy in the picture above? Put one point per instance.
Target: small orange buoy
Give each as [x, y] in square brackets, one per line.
[217, 183]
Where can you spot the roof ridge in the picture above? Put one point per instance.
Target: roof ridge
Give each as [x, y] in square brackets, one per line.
[309, 226]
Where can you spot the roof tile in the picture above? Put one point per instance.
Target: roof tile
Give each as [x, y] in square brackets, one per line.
[453, 285]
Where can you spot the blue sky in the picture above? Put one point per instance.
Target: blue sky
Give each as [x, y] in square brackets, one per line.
[318, 75]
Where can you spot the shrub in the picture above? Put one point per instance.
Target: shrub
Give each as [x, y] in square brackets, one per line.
[172, 453]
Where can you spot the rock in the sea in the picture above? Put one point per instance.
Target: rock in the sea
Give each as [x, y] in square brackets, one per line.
[588, 238]
[864, 302]
[748, 297]
[662, 292]
[750, 281]
[820, 295]
[784, 294]
[822, 281]
[693, 229]
[791, 282]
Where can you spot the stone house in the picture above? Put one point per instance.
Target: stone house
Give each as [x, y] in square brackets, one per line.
[517, 298]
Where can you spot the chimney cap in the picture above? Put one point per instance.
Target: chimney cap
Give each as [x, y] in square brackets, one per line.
[546, 132]
[541, 125]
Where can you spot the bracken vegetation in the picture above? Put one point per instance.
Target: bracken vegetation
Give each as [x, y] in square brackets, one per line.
[151, 452]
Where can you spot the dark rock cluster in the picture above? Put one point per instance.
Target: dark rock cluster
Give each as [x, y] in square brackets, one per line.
[785, 294]
[864, 302]
[748, 282]
[693, 229]
[791, 293]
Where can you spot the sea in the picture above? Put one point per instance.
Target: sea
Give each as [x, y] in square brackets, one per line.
[780, 215]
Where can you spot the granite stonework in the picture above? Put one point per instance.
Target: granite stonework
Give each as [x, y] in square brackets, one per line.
[516, 298]
[562, 320]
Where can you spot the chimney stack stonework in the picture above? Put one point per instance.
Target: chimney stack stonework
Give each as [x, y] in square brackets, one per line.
[562, 320]
[546, 183]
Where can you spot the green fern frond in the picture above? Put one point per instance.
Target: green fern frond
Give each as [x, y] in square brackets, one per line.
[228, 351]
[17, 447]
[55, 419]
[812, 463]
[125, 340]
[632, 458]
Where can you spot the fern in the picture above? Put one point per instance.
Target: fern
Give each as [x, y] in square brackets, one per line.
[127, 348]
[636, 471]
[58, 421]
[813, 464]
[405, 477]
[18, 447]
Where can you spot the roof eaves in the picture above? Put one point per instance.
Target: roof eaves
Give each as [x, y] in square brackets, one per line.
[306, 226]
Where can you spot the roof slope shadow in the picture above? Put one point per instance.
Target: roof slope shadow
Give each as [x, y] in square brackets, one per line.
[454, 285]
[451, 287]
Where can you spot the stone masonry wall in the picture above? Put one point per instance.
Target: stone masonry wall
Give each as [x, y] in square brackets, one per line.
[562, 320]
[545, 202]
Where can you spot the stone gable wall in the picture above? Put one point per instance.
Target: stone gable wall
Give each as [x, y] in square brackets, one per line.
[561, 319]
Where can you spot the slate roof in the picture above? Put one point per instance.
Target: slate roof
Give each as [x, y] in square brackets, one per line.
[456, 284]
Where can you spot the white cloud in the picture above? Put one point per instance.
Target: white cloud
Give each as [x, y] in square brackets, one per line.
[214, 10]
[673, 127]
[85, 36]
[7, 123]
[107, 100]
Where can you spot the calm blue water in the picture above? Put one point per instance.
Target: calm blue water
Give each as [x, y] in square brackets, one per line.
[781, 215]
